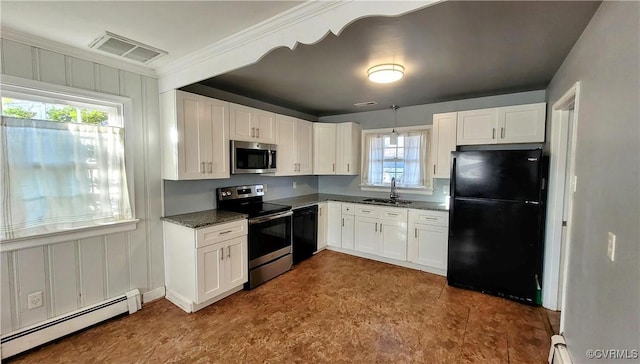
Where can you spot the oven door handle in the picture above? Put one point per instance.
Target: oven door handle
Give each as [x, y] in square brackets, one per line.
[259, 220]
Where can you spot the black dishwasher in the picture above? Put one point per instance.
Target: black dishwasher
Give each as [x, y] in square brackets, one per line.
[305, 233]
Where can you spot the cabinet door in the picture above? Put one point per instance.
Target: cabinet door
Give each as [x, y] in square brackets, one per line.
[217, 112]
[236, 270]
[324, 148]
[428, 245]
[304, 141]
[477, 127]
[190, 124]
[348, 227]
[265, 125]
[286, 141]
[443, 142]
[241, 123]
[393, 243]
[210, 272]
[322, 224]
[334, 233]
[367, 235]
[522, 123]
[348, 149]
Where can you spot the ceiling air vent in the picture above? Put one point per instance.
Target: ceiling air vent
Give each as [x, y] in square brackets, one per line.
[127, 48]
[366, 103]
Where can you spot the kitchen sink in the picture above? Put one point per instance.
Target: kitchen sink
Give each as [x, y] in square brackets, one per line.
[387, 201]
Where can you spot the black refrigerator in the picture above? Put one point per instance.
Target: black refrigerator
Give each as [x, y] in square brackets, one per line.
[496, 222]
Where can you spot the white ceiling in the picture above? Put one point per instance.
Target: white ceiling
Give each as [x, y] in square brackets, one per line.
[178, 27]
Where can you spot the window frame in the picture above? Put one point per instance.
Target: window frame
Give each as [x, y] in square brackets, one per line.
[428, 190]
[16, 85]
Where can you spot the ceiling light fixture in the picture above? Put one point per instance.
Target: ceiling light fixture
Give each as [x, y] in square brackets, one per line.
[385, 73]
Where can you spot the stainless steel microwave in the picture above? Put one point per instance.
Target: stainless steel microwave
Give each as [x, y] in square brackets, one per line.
[250, 157]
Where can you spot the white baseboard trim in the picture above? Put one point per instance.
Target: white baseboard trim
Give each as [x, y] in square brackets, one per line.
[153, 295]
[424, 268]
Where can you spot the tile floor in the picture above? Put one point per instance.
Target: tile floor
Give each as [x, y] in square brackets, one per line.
[332, 308]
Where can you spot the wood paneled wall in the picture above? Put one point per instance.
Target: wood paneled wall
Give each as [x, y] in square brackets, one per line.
[78, 273]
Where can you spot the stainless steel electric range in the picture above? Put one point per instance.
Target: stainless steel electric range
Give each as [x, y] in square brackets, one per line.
[270, 231]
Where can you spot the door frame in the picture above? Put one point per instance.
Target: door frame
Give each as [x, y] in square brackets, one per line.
[558, 168]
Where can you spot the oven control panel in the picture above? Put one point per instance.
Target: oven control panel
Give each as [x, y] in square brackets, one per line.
[240, 192]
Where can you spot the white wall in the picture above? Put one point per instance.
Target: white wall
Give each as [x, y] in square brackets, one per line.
[410, 116]
[602, 307]
[78, 273]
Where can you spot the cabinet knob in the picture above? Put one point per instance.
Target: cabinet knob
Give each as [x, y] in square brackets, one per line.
[221, 252]
[257, 132]
[202, 167]
[502, 133]
[229, 252]
[493, 133]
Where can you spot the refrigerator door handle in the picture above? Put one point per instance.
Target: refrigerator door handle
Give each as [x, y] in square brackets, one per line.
[532, 202]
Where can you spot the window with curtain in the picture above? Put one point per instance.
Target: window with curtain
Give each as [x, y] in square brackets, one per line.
[63, 163]
[406, 159]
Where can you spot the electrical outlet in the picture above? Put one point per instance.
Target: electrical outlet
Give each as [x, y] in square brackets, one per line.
[445, 190]
[265, 188]
[34, 300]
[611, 246]
[295, 185]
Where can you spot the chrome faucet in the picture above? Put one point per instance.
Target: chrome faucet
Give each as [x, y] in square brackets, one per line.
[394, 190]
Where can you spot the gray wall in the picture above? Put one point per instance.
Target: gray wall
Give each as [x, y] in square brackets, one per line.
[602, 307]
[189, 196]
[410, 116]
[77, 273]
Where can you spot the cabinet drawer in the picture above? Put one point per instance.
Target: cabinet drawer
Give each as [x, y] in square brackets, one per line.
[367, 211]
[394, 214]
[348, 209]
[439, 218]
[219, 233]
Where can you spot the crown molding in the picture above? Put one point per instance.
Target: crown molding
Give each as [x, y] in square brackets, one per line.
[51, 45]
[306, 23]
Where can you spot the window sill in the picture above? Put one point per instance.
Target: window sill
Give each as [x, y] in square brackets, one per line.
[62, 236]
[411, 191]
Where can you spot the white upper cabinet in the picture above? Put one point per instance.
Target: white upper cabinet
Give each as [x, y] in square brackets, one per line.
[477, 126]
[336, 148]
[443, 142]
[522, 123]
[294, 138]
[195, 136]
[502, 125]
[348, 149]
[324, 148]
[251, 125]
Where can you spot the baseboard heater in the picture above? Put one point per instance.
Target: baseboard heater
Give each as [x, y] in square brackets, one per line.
[16, 342]
[558, 354]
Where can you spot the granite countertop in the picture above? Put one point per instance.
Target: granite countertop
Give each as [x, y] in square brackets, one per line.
[305, 200]
[205, 218]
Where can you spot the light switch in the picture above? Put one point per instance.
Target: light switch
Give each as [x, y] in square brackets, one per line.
[611, 246]
[295, 185]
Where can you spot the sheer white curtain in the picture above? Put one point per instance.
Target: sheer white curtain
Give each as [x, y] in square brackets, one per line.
[59, 176]
[373, 159]
[415, 159]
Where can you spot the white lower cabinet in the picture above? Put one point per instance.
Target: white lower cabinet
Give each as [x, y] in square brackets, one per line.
[393, 239]
[428, 238]
[367, 237]
[323, 225]
[204, 265]
[334, 230]
[381, 231]
[348, 231]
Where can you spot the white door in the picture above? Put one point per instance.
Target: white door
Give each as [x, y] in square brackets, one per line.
[477, 127]
[428, 245]
[218, 114]
[210, 272]
[236, 259]
[522, 123]
[241, 123]
[334, 231]
[367, 235]
[286, 141]
[189, 136]
[264, 124]
[393, 243]
[348, 227]
[304, 141]
[443, 142]
[324, 148]
[322, 225]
